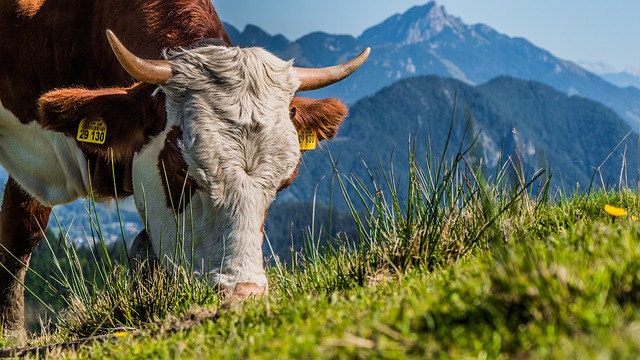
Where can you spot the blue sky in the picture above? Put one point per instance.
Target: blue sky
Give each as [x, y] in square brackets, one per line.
[577, 30]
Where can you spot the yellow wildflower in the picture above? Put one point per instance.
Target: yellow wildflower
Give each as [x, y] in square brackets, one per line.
[615, 211]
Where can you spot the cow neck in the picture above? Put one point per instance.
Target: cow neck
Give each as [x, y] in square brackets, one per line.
[177, 185]
[180, 23]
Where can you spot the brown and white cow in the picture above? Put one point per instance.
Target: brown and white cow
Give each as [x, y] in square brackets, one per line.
[203, 135]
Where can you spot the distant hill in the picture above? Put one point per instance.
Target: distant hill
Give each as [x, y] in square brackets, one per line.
[571, 134]
[619, 77]
[622, 79]
[427, 40]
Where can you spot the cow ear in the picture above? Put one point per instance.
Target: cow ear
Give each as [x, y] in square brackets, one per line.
[131, 116]
[324, 116]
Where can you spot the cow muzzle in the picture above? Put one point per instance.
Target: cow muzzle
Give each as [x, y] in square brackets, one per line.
[244, 291]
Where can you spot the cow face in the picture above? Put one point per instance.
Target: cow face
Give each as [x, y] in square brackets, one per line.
[208, 164]
[228, 117]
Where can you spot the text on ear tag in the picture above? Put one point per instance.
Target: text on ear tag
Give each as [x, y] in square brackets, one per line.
[92, 130]
[307, 139]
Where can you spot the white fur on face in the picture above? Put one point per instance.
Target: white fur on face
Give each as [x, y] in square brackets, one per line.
[232, 106]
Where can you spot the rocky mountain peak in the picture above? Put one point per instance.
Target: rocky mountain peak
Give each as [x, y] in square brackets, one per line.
[418, 24]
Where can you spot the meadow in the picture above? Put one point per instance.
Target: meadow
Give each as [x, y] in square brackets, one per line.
[453, 264]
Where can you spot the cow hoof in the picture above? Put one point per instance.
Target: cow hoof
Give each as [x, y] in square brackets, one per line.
[244, 291]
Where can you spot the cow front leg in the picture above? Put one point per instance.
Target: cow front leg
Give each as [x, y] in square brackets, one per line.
[22, 220]
[142, 249]
[142, 256]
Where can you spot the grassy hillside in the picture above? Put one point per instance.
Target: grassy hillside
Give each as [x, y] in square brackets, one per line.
[452, 266]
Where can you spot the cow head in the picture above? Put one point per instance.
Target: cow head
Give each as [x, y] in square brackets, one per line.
[203, 180]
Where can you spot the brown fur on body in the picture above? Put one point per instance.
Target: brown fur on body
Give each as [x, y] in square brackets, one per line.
[179, 185]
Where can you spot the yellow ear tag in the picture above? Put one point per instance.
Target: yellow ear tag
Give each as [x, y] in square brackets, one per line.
[92, 130]
[307, 139]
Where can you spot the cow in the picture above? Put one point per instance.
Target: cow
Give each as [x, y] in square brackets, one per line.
[149, 98]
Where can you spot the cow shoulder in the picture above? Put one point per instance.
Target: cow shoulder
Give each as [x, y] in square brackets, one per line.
[323, 116]
[132, 116]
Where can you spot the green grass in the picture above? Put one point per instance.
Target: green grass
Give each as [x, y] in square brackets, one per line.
[572, 291]
[452, 265]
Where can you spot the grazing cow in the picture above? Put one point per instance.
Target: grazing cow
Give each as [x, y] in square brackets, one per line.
[201, 133]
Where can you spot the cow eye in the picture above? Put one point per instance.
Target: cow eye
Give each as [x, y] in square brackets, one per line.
[292, 112]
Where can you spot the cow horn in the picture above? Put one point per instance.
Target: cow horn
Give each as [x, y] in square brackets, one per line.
[313, 79]
[156, 72]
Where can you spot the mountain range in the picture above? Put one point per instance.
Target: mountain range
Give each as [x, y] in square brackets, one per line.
[579, 142]
[426, 40]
